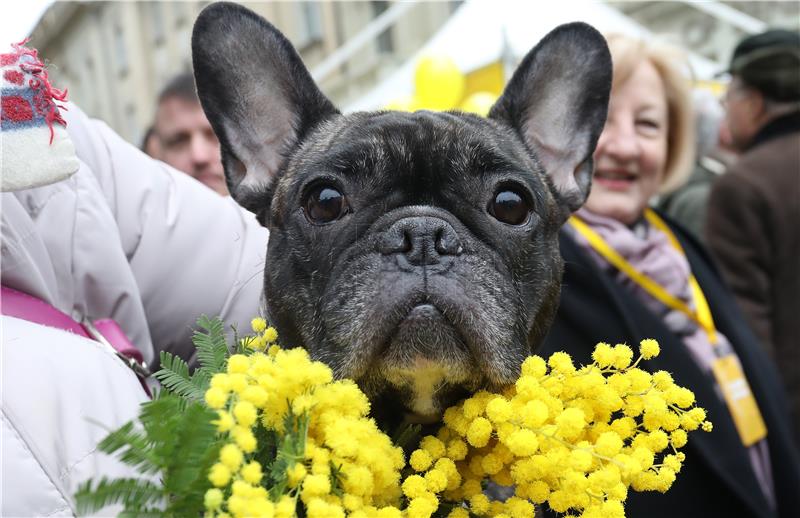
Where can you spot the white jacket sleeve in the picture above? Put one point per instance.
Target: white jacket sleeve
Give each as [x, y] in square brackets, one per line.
[192, 251]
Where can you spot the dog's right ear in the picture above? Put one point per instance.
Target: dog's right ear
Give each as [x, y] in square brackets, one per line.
[257, 95]
[557, 102]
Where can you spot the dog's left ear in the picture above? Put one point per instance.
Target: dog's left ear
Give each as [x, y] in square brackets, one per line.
[257, 95]
[557, 102]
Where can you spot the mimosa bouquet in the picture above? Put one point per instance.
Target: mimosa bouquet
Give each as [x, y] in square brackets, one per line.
[261, 431]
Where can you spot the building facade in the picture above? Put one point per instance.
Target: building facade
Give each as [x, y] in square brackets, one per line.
[709, 28]
[115, 57]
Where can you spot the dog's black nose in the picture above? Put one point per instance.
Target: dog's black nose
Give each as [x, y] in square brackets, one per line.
[423, 240]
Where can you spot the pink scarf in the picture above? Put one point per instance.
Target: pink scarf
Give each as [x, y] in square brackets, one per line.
[649, 251]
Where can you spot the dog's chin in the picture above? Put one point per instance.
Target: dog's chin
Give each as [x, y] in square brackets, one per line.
[425, 333]
[427, 361]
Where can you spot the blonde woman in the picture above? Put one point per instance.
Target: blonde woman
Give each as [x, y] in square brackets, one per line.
[631, 274]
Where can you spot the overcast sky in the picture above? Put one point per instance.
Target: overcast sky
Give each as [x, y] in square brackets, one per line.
[19, 17]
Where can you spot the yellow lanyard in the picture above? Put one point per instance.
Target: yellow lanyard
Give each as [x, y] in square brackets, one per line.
[727, 369]
[701, 315]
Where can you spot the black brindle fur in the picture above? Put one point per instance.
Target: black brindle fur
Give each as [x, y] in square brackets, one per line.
[417, 291]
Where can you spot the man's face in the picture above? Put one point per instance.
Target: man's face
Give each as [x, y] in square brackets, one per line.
[742, 112]
[187, 142]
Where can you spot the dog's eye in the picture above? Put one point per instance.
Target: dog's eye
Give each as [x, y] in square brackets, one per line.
[510, 207]
[325, 204]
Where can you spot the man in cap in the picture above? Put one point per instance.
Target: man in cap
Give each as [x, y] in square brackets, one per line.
[753, 219]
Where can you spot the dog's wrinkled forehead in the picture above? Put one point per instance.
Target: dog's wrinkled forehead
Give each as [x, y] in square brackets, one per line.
[423, 149]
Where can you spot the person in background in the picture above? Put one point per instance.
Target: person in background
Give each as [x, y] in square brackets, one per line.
[95, 231]
[149, 143]
[753, 225]
[631, 274]
[182, 136]
[687, 205]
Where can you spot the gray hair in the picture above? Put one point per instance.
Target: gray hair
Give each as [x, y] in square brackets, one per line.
[181, 87]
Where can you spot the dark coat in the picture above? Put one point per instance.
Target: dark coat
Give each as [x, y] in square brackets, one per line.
[753, 230]
[717, 478]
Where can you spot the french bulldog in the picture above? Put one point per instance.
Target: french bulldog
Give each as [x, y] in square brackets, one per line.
[415, 253]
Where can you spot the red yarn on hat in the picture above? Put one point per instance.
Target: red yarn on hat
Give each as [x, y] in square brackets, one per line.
[17, 108]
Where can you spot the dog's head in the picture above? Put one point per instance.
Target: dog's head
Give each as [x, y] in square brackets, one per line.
[413, 252]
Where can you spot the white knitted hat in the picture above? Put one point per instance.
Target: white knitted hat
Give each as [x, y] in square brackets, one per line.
[36, 149]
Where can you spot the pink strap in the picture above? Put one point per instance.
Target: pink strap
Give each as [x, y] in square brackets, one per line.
[20, 305]
[116, 337]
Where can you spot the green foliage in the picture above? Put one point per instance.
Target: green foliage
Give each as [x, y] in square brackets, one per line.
[133, 493]
[174, 376]
[212, 350]
[134, 447]
[407, 436]
[191, 459]
[288, 452]
[174, 443]
[336, 479]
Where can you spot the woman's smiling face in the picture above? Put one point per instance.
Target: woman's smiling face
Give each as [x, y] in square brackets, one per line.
[631, 153]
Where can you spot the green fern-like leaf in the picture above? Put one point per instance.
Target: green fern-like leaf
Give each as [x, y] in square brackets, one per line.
[212, 348]
[186, 476]
[174, 376]
[192, 436]
[201, 379]
[134, 446]
[161, 418]
[135, 494]
[142, 513]
[174, 437]
[178, 440]
[186, 505]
